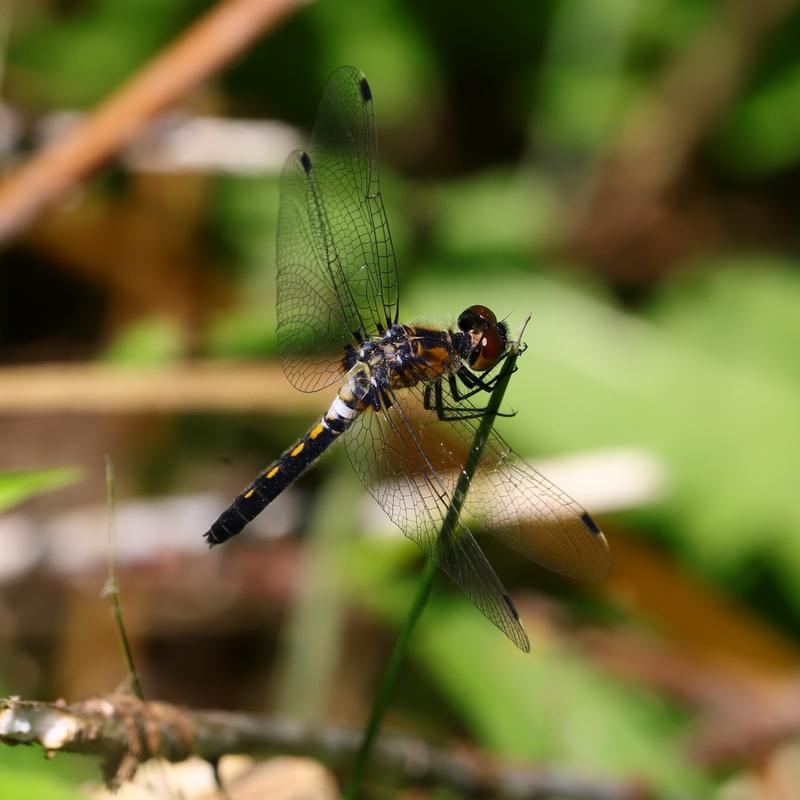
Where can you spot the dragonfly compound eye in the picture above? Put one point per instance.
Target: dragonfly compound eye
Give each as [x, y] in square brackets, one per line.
[489, 338]
[476, 318]
[491, 345]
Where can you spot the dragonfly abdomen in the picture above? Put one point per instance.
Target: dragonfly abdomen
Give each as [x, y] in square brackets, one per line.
[286, 469]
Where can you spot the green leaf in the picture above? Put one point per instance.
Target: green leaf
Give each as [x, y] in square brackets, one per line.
[550, 705]
[761, 135]
[18, 486]
[25, 771]
[35, 785]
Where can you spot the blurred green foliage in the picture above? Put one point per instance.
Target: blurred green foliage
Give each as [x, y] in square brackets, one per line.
[154, 340]
[485, 115]
[18, 486]
[22, 775]
[66, 50]
[546, 707]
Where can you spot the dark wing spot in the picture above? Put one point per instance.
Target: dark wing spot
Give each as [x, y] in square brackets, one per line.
[366, 92]
[511, 607]
[590, 523]
[306, 162]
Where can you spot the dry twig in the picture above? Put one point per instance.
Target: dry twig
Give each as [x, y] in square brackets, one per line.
[125, 732]
[214, 40]
[200, 386]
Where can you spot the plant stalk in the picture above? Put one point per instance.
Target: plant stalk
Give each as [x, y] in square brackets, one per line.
[111, 589]
[392, 672]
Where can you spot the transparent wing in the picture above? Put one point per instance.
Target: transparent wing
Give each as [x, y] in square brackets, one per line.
[517, 504]
[410, 462]
[312, 323]
[392, 462]
[337, 278]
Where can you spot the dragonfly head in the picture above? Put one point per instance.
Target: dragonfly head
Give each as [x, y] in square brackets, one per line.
[489, 337]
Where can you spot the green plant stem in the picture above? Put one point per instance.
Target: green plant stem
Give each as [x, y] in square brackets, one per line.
[389, 680]
[392, 672]
[111, 589]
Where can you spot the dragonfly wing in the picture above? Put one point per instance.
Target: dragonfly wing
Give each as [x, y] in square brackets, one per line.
[529, 513]
[517, 504]
[344, 150]
[337, 278]
[312, 323]
[392, 463]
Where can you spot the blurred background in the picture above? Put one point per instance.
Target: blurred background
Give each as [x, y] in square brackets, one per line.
[627, 172]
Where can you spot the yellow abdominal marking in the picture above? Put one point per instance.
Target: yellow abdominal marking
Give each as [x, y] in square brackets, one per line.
[274, 471]
[317, 431]
[298, 449]
[249, 494]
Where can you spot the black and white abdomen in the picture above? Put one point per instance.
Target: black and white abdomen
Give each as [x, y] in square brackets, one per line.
[345, 408]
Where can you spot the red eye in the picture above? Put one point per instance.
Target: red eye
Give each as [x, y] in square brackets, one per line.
[476, 318]
[488, 337]
[489, 348]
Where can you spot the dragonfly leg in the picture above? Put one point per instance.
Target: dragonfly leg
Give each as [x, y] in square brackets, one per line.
[470, 381]
[474, 383]
[433, 400]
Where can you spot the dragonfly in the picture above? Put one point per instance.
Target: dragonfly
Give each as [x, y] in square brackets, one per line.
[408, 403]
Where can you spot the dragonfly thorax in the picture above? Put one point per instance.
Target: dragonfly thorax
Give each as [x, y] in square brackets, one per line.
[406, 355]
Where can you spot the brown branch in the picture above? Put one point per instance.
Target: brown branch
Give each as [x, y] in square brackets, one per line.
[125, 732]
[100, 388]
[210, 43]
